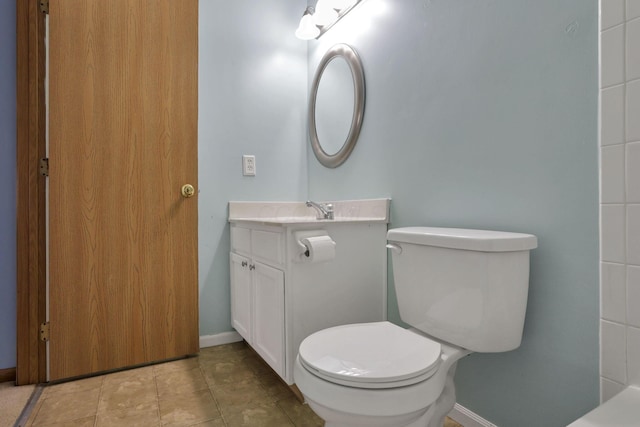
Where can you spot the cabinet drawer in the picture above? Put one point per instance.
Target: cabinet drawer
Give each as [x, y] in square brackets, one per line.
[267, 246]
[241, 240]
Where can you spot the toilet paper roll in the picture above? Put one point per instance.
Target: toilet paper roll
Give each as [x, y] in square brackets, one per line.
[321, 248]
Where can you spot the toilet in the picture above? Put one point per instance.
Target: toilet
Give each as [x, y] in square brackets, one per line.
[461, 291]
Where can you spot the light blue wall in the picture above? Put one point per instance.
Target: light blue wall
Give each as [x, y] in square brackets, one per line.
[483, 114]
[7, 184]
[479, 114]
[252, 97]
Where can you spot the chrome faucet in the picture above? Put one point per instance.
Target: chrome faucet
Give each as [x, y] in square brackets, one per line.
[325, 210]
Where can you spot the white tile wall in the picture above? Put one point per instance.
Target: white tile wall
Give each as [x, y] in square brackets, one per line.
[633, 295]
[633, 9]
[612, 56]
[612, 115]
[633, 50]
[632, 110]
[612, 14]
[612, 229]
[633, 355]
[612, 176]
[609, 388]
[632, 170]
[614, 351]
[619, 195]
[633, 235]
[613, 294]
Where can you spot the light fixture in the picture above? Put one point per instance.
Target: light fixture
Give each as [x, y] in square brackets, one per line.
[317, 21]
[325, 13]
[307, 29]
[342, 4]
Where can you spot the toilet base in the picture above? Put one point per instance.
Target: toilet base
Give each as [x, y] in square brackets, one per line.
[432, 415]
[436, 413]
[335, 418]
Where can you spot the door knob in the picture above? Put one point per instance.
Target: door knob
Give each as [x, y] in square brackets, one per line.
[188, 191]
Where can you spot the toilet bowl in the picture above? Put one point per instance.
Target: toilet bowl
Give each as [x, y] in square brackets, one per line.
[376, 374]
[460, 291]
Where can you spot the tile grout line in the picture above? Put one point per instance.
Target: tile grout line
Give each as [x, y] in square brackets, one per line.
[211, 392]
[29, 407]
[293, 423]
[155, 383]
[95, 417]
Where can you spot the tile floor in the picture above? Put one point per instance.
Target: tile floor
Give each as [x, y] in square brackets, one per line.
[223, 386]
[12, 400]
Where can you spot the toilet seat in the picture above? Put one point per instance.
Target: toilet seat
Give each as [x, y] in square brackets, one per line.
[370, 355]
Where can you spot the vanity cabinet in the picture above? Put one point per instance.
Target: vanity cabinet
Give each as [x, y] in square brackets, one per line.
[268, 314]
[279, 297]
[257, 293]
[241, 296]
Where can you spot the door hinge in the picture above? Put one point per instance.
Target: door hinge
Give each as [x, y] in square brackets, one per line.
[44, 166]
[44, 6]
[44, 331]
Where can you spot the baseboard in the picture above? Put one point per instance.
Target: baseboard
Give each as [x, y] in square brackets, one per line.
[219, 339]
[468, 418]
[8, 374]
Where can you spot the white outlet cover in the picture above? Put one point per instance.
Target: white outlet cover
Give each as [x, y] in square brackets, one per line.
[248, 165]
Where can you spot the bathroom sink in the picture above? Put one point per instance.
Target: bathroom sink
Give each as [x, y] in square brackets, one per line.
[304, 220]
[287, 213]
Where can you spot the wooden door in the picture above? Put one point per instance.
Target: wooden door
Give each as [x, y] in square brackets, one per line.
[123, 140]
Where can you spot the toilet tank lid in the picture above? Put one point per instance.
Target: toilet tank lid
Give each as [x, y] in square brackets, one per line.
[466, 239]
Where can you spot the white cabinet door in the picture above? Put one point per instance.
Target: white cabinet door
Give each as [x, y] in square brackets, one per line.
[269, 316]
[241, 295]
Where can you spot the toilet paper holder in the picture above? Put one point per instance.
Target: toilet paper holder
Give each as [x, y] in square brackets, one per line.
[305, 249]
[306, 253]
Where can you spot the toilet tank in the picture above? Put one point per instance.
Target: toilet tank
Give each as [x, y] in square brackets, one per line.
[465, 287]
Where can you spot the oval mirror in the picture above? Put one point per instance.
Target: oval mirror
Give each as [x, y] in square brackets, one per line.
[336, 105]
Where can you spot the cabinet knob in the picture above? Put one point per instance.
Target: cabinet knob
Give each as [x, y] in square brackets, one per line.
[252, 267]
[244, 263]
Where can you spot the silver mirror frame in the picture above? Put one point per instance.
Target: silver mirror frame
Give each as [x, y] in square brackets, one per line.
[357, 73]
